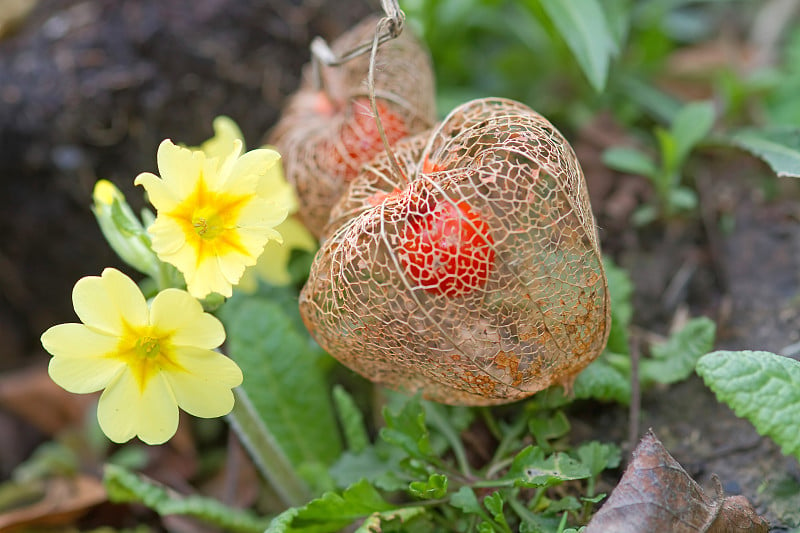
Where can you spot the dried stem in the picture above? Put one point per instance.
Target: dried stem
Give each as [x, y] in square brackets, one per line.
[371, 89]
[321, 53]
[636, 397]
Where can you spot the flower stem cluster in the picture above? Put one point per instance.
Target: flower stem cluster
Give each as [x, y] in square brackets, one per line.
[217, 208]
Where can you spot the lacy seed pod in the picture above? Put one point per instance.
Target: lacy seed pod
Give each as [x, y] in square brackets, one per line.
[475, 276]
[327, 132]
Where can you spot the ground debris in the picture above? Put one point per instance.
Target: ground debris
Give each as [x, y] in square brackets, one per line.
[656, 494]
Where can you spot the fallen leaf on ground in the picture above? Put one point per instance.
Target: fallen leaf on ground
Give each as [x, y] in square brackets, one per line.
[63, 501]
[30, 394]
[656, 494]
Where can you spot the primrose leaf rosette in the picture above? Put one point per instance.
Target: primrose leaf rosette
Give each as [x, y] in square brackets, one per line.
[149, 359]
[214, 214]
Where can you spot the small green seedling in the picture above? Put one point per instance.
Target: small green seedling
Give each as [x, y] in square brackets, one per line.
[691, 125]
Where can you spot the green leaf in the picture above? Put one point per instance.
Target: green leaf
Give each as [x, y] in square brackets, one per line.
[466, 500]
[682, 199]
[266, 452]
[407, 430]
[659, 104]
[644, 215]
[378, 522]
[567, 503]
[602, 381]
[665, 179]
[548, 428]
[283, 378]
[620, 291]
[618, 17]
[778, 146]
[630, 161]
[125, 486]
[351, 419]
[675, 359]
[530, 468]
[433, 489]
[494, 504]
[597, 456]
[782, 493]
[692, 124]
[585, 29]
[351, 467]
[332, 511]
[762, 387]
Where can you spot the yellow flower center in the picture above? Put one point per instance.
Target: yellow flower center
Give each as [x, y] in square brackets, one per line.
[148, 347]
[208, 219]
[147, 353]
[207, 223]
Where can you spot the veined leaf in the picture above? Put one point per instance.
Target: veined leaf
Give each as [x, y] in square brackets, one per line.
[433, 489]
[691, 125]
[597, 456]
[283, 378]
[332, 511]
[762, 387]
[675, 359]
[352, 420]
[584, 27]
[778, 146]
[407, 430]
[603, 381]
[377, 522]
[125, 486]
[620, 291]
[466, 500]
[530, 468]
[630, 161]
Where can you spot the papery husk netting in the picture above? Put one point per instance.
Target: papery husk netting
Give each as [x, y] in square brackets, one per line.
[524, 306]
[326, 132]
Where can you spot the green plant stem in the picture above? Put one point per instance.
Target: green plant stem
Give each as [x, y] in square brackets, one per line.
[522, 511]
[506, 443]
[266, 453]
[587, 506]
[495, 467]
[563, 524]
[440, 423]
[491, 423]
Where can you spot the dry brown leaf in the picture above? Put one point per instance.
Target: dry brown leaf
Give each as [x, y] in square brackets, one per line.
[656, 494]
[64, 500]
[30, 394]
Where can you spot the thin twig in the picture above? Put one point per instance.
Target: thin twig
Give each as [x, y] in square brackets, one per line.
[372, 102]
[321, 53]
[635, 407]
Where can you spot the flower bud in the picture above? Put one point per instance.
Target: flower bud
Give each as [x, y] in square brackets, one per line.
[122, 229]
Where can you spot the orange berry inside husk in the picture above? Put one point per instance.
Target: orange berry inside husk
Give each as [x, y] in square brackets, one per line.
[447, 250]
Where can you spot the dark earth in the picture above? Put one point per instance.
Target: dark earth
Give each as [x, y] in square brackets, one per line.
[89, 88]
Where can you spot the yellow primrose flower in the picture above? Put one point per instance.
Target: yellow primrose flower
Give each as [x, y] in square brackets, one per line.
[214, 215]
[226, 132]
[272, 265]
[149, 359]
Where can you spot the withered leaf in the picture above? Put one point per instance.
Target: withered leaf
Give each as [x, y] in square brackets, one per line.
[30, 394]
[63, 501]
[656, 494]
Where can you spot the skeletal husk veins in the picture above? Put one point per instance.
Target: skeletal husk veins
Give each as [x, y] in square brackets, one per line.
[328, 130]
[535, 316]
